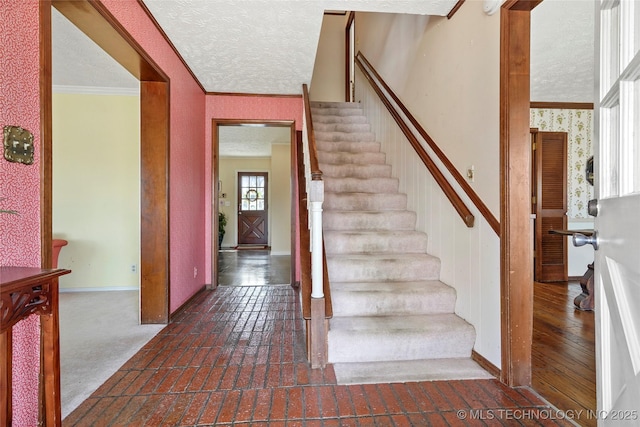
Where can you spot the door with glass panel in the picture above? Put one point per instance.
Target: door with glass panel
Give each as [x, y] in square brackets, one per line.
[617, 185]
[252, 208]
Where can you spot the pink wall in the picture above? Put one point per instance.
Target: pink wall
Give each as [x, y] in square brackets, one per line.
[246, 108]
[20, 105]
[20, 185]
[187, 154]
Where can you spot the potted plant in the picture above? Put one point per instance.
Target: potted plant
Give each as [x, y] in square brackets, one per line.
[222, 223]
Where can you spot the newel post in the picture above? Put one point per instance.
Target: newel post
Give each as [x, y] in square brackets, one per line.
[318, 330]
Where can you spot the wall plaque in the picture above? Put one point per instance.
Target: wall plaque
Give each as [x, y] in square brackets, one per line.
[18, 145]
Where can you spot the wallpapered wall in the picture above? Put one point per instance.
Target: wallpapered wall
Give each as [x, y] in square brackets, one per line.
[241, 107]
[579, 127]
[20, 235]
[186, 156]
[20, 105]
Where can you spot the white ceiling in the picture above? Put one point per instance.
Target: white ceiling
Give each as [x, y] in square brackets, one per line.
[250, 141]
[268, 47]
[562, 51]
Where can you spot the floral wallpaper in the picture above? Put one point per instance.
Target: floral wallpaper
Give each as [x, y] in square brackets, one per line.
[579, 127]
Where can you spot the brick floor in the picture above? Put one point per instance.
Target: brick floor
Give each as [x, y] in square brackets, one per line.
[236, 357]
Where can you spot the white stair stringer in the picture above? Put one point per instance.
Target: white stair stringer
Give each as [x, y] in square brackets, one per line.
[393, 320]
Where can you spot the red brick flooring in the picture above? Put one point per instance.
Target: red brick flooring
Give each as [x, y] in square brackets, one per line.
[236, 356]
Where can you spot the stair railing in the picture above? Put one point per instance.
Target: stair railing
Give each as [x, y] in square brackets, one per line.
[316, 294]
[389, 98]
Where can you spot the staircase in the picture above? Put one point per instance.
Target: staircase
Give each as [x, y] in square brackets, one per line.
[393, 320]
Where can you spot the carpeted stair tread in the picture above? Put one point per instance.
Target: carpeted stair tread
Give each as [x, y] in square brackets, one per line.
[393, 320]
[342, 157]
[349, 146]
[341, 127]
[336, 111]
[334, 104]
[382, 267]
[366, 241]
[355, 171]
[326, 118]
[345, 136]
[372, 220]
[365, 201]
[360, 185]
[392, 298]
[409, 371]
[385, 338]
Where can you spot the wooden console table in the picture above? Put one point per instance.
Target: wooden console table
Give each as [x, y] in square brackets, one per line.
[25, 291]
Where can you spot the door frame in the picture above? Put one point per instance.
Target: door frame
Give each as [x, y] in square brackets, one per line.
[349, 57]
[215, 177]
[95, 20]
[516, 257]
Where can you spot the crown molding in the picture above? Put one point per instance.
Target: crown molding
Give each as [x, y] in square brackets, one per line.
[94, 90]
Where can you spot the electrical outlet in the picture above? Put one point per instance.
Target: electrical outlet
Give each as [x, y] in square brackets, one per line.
[195, 272]
[134, 268]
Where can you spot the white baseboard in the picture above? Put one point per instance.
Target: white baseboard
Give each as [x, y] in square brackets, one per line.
[103, 289]
[279, 253]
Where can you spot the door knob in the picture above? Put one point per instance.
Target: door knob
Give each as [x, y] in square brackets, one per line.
[580, 239]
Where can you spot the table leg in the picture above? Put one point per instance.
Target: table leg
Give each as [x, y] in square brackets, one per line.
[585, 300]
[5, 378]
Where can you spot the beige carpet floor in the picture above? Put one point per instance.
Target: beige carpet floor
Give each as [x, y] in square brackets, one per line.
[99, 332]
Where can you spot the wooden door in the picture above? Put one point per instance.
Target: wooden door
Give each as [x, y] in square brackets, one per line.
[617, 188]
[550, 205]
[252, 208]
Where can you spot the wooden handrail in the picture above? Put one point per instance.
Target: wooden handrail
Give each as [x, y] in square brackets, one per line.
[303, 215]
[451, 194]
[316, 173]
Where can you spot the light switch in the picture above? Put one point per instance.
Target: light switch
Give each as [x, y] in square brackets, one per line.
[470, 173]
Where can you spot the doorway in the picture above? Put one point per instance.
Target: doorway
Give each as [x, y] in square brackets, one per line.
[549, 201]
[95, 21]
[516, 254]
[261, 149]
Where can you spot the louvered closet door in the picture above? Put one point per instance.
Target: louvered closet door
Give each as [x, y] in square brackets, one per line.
[551, 206]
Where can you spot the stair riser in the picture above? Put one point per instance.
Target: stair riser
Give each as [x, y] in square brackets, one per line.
[390, 220]
[341, 127]
[365, 202]
[360, 185]
[321, 118]
[337, 242]
[373, 303]
[334, 104]
[345, 269]
[356, 171]
[315, 112]
[345, 136]
[349, 147]
[340, 158]
[398, 345]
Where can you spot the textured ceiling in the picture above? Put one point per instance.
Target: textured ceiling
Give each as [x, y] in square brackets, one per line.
[78, 61]
[260, 46]
[269, 46]
[562, 51]
[250, 141]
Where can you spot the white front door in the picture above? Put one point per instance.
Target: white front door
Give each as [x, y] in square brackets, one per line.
[617, 188]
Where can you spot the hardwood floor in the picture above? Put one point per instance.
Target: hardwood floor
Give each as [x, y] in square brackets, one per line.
[563, 356]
